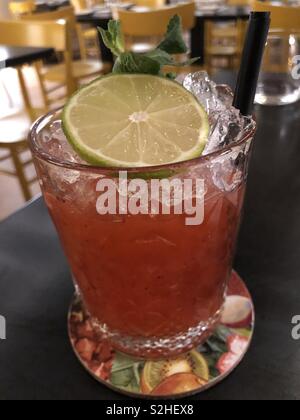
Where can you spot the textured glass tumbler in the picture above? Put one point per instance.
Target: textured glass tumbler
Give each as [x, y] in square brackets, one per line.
[153, 284]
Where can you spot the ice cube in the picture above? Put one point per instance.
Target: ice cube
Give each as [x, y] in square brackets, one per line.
[226, 121]
[203, 88]
[225, 174]
[57, 146]
[225, 95]
[227, 128]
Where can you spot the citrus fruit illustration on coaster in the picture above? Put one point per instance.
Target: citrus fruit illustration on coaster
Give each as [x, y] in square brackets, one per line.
[190, 373]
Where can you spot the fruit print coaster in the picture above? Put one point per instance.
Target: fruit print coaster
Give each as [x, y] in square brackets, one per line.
[185, 375]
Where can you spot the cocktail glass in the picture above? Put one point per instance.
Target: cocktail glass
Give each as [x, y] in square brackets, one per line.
[153, 285]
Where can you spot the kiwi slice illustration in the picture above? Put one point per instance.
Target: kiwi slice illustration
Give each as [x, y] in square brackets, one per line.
[155, 372]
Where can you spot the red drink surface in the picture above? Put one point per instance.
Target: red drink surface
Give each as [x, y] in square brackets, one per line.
[149, 275]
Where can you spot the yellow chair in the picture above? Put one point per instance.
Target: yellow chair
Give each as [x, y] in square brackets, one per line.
[35, 34]
[80, 5]
[283, 18]
[14, 146]
[144, 30]
[80, 69]
[239, 2]
[17, 8]
[87, 36]
[154, 22]
[224, 42]
[152, 4]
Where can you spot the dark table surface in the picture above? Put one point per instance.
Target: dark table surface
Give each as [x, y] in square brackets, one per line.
[16, 56]
[36, 360]
[51, 5]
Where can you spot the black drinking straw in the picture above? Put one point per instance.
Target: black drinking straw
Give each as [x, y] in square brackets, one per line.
[251, 61]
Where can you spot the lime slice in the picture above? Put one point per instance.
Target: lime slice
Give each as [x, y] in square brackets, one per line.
[155, 372]
[134, 121]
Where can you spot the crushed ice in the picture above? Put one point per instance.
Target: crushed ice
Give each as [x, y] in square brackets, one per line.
[226, 122]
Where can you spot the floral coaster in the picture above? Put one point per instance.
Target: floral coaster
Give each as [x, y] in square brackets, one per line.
[187, 374]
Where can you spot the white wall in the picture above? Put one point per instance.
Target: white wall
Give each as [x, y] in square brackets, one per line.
[4, 9]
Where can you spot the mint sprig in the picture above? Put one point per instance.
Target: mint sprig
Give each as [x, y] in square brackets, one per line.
[173, 43]
[113, 37]
[152, 61]
[130, 62]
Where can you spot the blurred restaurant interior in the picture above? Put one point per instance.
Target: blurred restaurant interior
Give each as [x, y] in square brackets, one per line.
[41, 66]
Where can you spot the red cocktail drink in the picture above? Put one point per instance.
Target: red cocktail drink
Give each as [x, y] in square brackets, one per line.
[152, 284]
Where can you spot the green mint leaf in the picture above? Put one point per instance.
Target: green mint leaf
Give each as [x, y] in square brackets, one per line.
[173, 42]
[134, 63]
[162, 57]
[186, 63]
[151, 62]
[113, 38]
[114, 27]
[106, 37]
[171, 76]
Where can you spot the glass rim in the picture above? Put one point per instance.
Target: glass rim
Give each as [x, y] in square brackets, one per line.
[38, 152]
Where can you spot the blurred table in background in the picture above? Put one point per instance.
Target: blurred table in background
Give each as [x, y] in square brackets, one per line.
[48, 5]
[13, 135]
[16, 56]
